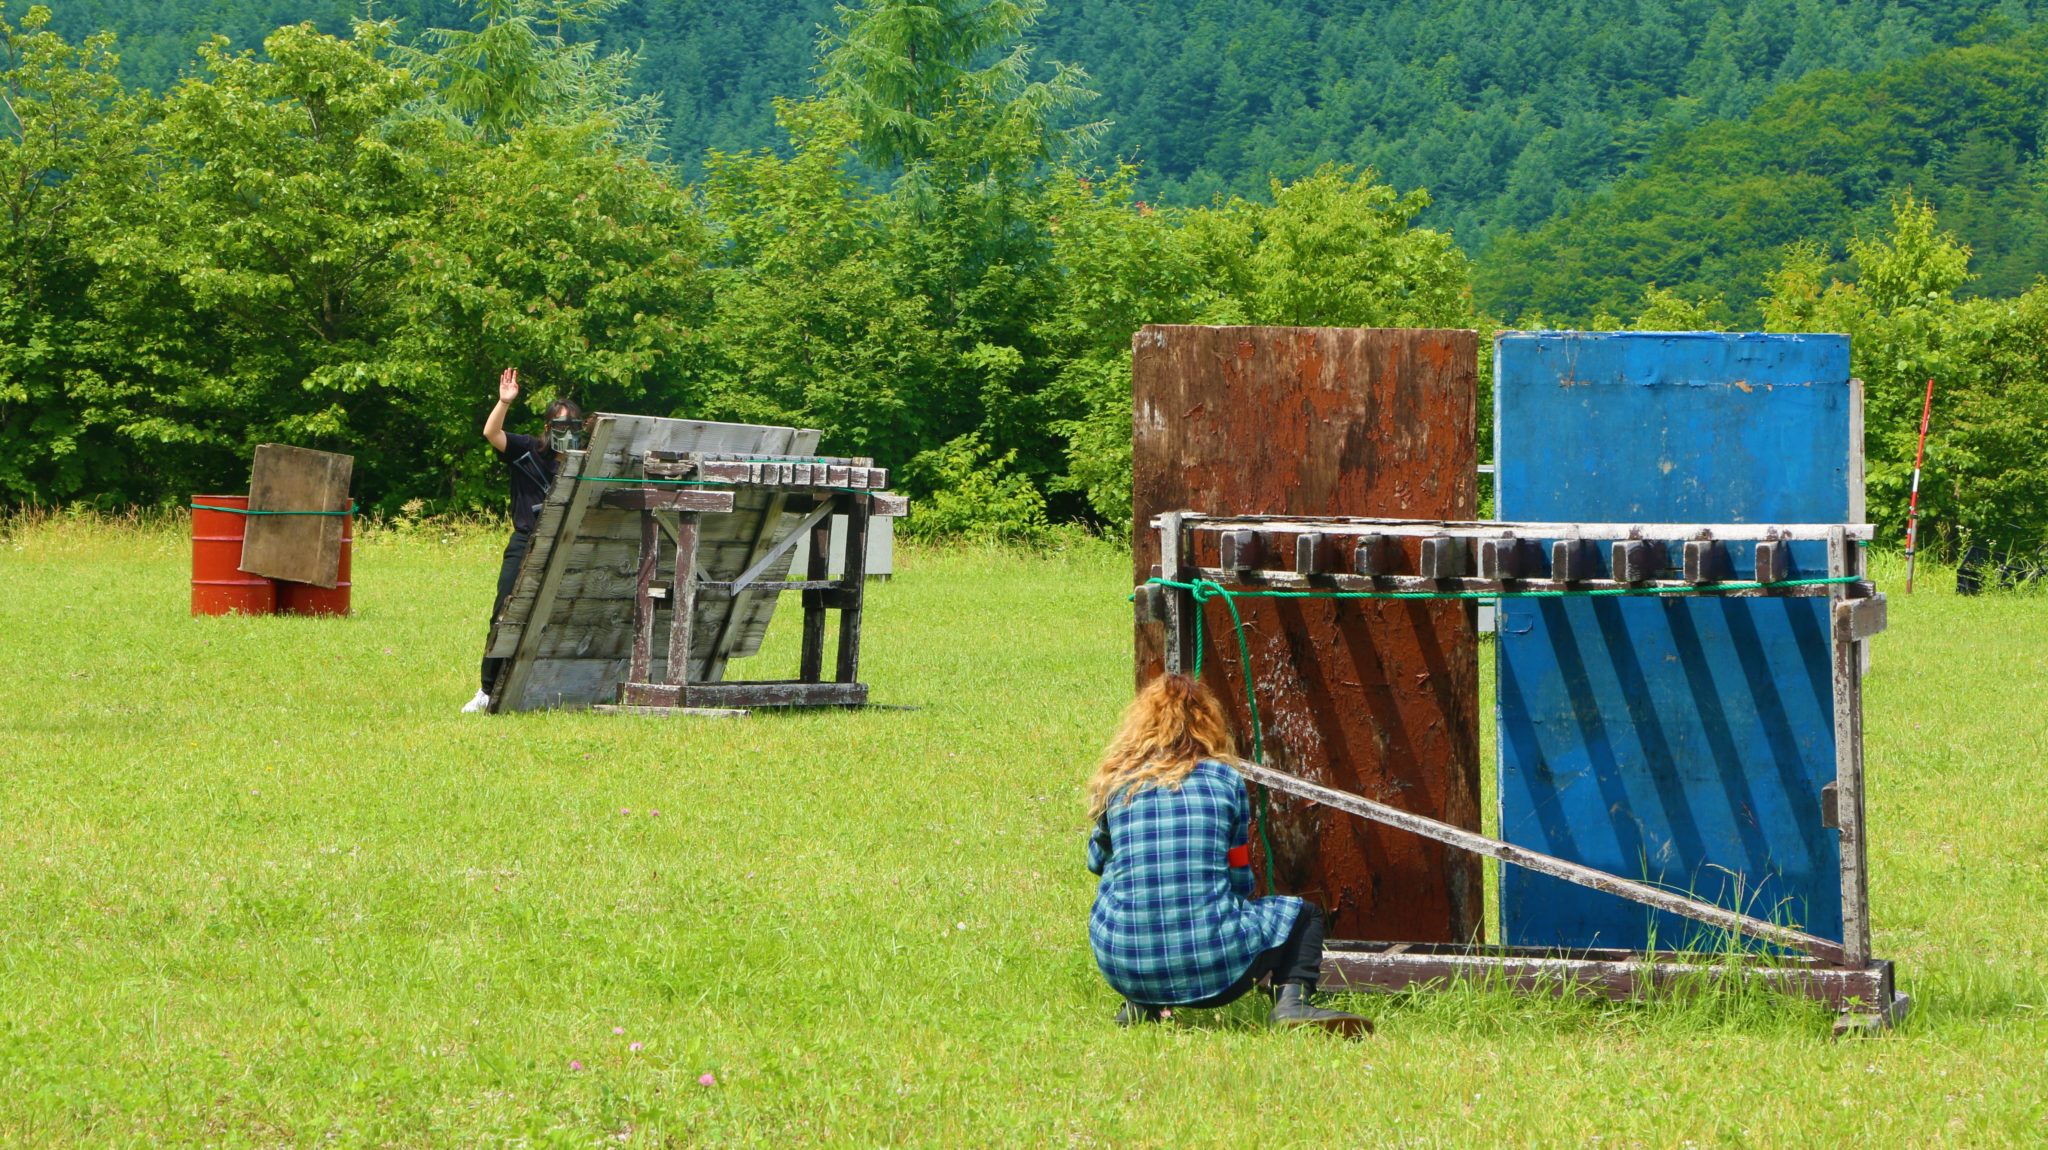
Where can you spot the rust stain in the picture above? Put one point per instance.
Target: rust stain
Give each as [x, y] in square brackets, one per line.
[1374, 698]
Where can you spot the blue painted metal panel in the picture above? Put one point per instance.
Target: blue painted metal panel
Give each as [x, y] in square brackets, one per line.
[1684, 741]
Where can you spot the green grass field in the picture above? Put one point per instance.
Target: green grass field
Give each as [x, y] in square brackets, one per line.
[260, 885]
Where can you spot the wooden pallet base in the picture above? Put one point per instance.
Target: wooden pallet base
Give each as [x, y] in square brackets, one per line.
[1865, 996]
[672, 712]
[767, 693]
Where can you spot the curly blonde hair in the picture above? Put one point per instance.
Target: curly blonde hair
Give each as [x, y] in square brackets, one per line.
[1174, 723]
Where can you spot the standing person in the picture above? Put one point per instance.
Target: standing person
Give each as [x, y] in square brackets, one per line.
[1174, 922]
[531, 463]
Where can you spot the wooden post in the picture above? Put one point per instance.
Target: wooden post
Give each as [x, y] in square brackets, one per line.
[643, 600]
[683, 599]
[1848, 697]
[852, 584]
[1180, 606]
[812, 669]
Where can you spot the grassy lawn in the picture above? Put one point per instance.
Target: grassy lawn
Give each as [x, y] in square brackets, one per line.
[260, 884]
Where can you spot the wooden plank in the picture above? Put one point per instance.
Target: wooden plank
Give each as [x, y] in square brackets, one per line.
[1620, 975]
[856, 579]
[1731, 921]
[643, 600]
[646, 499]
[684, 613]
[1373, 696]
[1848, 722]
[777, 693]
[754, 612]
[299, 548]
[812, 660]
[1602, 531]
[577, 498]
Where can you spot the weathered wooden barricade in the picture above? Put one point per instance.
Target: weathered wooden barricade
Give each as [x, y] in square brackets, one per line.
[658, 559]
[1207, 557]
[1681, 694]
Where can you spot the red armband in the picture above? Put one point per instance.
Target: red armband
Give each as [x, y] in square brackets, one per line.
[1239, 855]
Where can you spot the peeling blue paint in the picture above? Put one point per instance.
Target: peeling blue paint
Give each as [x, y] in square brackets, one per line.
[1683, 741]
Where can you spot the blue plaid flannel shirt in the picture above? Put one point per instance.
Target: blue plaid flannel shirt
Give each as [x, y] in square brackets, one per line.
[1173, 922]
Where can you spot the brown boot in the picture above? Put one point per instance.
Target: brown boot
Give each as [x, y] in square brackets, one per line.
[1291, 1007]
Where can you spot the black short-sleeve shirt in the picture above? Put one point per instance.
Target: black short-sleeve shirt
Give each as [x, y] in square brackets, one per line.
[533, 470]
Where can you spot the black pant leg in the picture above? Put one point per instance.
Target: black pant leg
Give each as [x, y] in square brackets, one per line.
[1298, 958]
[508, 575]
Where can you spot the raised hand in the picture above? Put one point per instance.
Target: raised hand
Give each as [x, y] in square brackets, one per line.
[508, 385]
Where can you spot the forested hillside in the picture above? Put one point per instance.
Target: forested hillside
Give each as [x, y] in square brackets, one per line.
[1708, 214]
[1507, 111]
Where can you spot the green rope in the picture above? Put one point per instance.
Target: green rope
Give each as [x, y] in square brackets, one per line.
[1204, 590]
[251, 511]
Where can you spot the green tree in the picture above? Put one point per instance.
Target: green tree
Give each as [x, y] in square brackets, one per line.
[67, 133]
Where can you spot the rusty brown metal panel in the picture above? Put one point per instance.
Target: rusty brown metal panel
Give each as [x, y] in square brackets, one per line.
[1380, 699]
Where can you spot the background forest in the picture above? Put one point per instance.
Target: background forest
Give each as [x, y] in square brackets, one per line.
[929, 228]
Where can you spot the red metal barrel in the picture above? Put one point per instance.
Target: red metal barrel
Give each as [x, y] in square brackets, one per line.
[219, 587]
[307, 599]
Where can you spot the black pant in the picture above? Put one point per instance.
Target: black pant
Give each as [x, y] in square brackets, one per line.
[1298, 959]
[508, 574]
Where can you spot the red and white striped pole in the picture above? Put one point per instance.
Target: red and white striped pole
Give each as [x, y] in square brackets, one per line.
[1913, 505]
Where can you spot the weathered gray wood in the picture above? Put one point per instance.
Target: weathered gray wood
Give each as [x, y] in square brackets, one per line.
[299, 548]
[1731, 921]
[577, 496]
[1706, 561]
[856, 579]
[670, 712]
[643, 601]
[1620, 975]
[668, 499]
[1848, 707]
[684, 613]
[1289, 581]
[887, 506]
[779, 693]
[811, 662]
[1479, 529]
[1179, 646]
[1863, 618]
[1445, 557]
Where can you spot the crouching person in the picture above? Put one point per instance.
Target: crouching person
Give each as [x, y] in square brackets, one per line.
[1174, 923]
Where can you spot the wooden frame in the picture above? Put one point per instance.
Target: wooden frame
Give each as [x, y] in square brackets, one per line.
[674, 691]
[1843, 974]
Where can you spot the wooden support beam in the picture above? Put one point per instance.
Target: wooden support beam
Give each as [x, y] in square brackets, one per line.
[780, 693]
[1636, 560]
[1773, 561]
[1732, 921]
[682, 619]
[1374, 555]
[1242, 550]
[1509, 558]
[1446, 557]
[1573, 560]
[667, 499]
[643, 599]
[1310, 554]
[1848, 704]
[811, 665]
[854, 589]
[1617, 974]
[1706, 561]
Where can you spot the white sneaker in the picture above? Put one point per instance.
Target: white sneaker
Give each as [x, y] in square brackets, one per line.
[482, 702]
